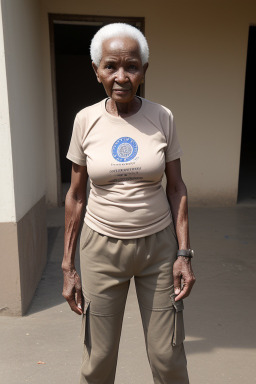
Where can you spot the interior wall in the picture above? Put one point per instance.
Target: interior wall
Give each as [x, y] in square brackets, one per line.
[247, 173]
[69, 102]
[197, 69]
[22, 38]
[72, 61]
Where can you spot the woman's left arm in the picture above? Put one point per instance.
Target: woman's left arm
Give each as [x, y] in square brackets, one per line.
[176, 192]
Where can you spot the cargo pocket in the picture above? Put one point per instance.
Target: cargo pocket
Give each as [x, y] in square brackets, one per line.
[85, 323]
[178, 328]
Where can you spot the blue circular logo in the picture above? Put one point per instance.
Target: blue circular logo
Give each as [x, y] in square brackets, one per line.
[124, 149]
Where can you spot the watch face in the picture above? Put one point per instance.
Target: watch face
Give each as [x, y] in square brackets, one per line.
[192, 253]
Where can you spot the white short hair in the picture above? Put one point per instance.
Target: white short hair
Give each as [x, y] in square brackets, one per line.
[116, 30]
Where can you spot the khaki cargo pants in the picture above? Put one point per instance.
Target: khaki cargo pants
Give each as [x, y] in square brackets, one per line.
[107, 265]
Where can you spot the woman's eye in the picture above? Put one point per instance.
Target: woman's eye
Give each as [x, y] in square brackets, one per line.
[132, 67]
[109, 66]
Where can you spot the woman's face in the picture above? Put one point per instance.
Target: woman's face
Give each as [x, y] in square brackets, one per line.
[120, 70]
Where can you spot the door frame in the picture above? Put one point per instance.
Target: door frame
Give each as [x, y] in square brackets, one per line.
[58, 18]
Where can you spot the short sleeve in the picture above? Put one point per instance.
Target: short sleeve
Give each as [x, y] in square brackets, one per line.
[75, 152]
[173, 150]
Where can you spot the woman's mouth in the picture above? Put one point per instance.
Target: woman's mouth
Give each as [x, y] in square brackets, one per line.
[121, 90]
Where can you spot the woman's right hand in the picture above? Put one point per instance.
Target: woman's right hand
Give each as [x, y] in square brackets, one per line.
[74, 210]
[72, 290]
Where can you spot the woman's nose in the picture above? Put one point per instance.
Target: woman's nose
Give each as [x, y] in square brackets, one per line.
[121, 75]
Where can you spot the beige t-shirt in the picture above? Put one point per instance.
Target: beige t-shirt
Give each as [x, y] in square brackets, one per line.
[125, 159]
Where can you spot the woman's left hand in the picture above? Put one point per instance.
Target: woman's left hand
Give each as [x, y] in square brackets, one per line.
[176, 191]
[183, 277]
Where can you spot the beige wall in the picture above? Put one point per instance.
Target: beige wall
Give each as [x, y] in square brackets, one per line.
[32, 247]
[7, 207]
[22, 260]
[23, 238]
[197, 68]
[23, 56]
[10, 298]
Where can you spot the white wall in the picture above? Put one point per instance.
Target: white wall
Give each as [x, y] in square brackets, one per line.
[197, 68]
[7, 208]
[23, 54]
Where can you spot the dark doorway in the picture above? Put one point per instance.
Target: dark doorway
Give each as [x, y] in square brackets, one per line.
[75, 85]
[247, 175]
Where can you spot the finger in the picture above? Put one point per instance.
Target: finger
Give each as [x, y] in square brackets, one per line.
[185, 292]
[74, 307]
[177, 283]
[79, 300]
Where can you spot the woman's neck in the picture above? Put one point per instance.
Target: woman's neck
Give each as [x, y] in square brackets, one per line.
[123, 109]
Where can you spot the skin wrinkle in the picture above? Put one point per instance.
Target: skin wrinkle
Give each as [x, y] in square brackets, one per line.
[176, 192]
[121, 68]
[74, 206]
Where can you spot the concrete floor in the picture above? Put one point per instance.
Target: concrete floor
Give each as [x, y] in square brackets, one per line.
[219, 315]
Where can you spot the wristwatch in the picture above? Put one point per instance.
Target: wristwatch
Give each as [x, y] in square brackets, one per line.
[185, 253]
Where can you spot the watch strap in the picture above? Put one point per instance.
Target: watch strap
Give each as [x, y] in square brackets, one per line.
[185, 253]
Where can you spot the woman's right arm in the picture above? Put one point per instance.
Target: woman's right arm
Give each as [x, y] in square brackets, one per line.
[74, 208]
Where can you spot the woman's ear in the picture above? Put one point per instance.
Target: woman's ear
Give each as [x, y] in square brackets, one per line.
[95, 68]
[145, 67]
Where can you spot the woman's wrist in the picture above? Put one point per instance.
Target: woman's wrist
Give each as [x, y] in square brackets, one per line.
[68, 266]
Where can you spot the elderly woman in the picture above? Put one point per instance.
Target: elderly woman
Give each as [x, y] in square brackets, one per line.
[131, 227]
